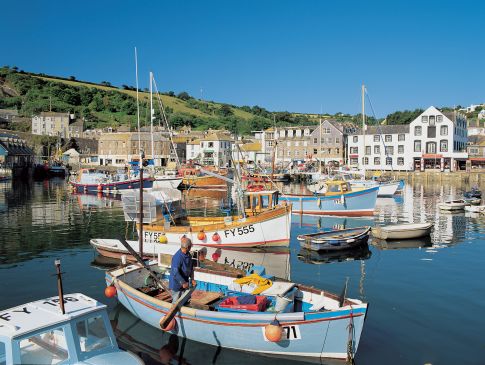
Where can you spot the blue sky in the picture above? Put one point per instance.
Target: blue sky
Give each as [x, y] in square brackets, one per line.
[282, 55]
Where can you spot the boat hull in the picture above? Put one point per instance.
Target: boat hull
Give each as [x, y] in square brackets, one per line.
[111, 187]
[172, 183]
[311, 242]
[306, 335]
[268, 229]
[353, 204]
[203, 181]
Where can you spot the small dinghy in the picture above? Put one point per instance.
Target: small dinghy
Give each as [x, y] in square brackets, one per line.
[453, 205]
[335, 240]
[402, 231]
[475, 208]
[474, 193]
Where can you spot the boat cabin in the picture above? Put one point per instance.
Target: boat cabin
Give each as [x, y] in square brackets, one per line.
[260, 201]
[38, 333]
[337, 187]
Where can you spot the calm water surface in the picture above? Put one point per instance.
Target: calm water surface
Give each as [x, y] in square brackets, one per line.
[425, 296]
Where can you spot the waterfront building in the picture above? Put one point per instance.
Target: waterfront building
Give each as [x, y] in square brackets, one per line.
[52, 124]
[250, 152]
[476, 152]
[14, 152]
[119, 149]
[193, 150]
[434, 140]
[215, 149]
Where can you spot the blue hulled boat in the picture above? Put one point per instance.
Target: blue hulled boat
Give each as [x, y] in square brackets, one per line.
[338, 199]
[312, 324]
[335, 240]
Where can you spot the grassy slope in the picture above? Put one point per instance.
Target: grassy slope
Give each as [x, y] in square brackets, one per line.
[176, 104]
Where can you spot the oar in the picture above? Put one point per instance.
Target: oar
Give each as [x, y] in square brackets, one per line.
[140, 260]
[176, 307]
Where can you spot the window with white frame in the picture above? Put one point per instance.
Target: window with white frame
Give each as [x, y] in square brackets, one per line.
[368, 150]
[355, 139]
[377, 160]
[376, 138]
[432, 120]
[444, 145]
[401, 137]
[400, 161]
[388, 138]
[389, 150]
[444, 130]
[400, 148]
[354, 150]
[377, 149]
[365, 160]
[417, 146]
[424, 119]
[298, 132]
[439, 118]
[388, 161]
[315, 140]
[418, 130]
[306, 132]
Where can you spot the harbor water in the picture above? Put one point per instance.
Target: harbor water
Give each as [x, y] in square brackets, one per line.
[425, 295]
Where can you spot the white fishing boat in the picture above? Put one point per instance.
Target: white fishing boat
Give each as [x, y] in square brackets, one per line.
[402, 231]
[71, 329]
[451, 205]
[167, 181]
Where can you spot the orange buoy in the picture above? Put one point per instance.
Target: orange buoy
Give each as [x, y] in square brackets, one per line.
[100, 187]
[273, 331]
[110, 291]
[170, 326]
[201, 235]
[215, 256]
[216, 237]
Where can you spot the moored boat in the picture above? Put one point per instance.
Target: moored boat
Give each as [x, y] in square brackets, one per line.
[335, 240]
[192, 177]
[402, 231]
[92, 180]
[339, 199]
[453, 205]
[303, 314]
[475, 208]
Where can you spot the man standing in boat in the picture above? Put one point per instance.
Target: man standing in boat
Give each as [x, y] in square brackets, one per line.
[182, 270]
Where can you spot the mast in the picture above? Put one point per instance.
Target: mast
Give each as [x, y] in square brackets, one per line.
[363, 129]
[140, 238]
[151, 118]
[320, 147]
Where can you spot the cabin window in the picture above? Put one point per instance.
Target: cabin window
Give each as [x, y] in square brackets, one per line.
[45, 348]
[92, 334]
[334, 188]
[3, 354]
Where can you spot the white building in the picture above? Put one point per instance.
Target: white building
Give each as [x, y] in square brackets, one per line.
[192, 150]
[249, 152]
[52, 124]
[384, 147]
[434, 140]
[216, 149]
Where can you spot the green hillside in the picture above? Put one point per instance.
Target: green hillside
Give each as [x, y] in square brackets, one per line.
[104, 105]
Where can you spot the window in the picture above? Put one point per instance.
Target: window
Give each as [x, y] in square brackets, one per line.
[424, 119]
[298, 132]
[92, 334]
[443, 145]
[417, 146]
[289, 153]
[432, 120]
[388, 160]
[315, 140]
[439, 118]
[270, 143]
[367, 150]
[211, 144]
[354, 150]
[48, 345]
[389, 150]
[376, 138]
[431, 131]
[329, 140]
[326, 130]
[400, 161]
[315, 151]
[443, 130]
[365, 160]
[337, 140]
[355, 139]
[401, 137]
[329, 151]
[417, 130]
[473, 151]
[354, 161]
[431, 147]
[388, 138]
[306, 132]
[400, 148]
[377, 149]
[297, 153]
[297, 143]
[337, 150]
[377, 160]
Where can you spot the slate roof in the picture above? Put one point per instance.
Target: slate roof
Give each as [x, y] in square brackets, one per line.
[384, 129]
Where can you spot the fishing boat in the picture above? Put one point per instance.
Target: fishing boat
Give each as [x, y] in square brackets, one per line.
[451, 205]
[386, 189]
[262, 222]
[64, 329]
[475, 208]
[276, 176]
[335, 240]
[287, 319]
[92, 180]
[339, 199]
[166, 181]
[402, 231]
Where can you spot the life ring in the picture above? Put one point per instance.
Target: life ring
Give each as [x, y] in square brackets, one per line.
[253, 187]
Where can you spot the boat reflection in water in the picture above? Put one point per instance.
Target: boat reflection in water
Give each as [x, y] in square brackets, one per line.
[156, 347]
[313, 257]
[400, 244]
[92, 201]
[329, 223]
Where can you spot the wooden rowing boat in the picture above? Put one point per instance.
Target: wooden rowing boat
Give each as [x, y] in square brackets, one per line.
[335, 240]
[402, 231]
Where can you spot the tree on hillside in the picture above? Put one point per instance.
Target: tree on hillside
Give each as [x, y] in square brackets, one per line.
[184, 96]
[225, 110]
[106, 83]
[403, 117]
[72, 78]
